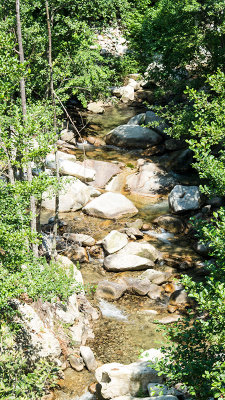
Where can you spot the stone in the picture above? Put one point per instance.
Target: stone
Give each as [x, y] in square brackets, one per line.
[110, 290]
[67, 264]
[68, 136]
[142, 249]
[150, 180]
[184, 198]
[175, 144]
[155, 122]
[155, 292]
[157, 389]
[170, 223]
[88, 357]
[77, 169]
[151, 274]
[67, 313]
[137, 120]
[96, 107]
[137, 286]
[40, 336]
[111, 206]
[151, 355]
[72, 197]
[77, 253]
[164, 277]
[104, 171]
[127, 93]
[80, 238]
[179, 161]
[179, 297]
[137, 224]
[126, 262]
[114, 241]
[132, 136]
[121, 380]
[134, 233]
[169, 320]
[50, 159]
[76, 363]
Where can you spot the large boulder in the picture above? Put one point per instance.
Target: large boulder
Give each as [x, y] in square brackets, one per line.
[104, 171]
[155, 122]
[133, 136]
[110, 290]
[123, 380]
[110, 206]
[138, 119]
[73, 196]
[150, 180]
[184, 198]
[40, 336]
[142, 249]
[114, 241]
[126, 262]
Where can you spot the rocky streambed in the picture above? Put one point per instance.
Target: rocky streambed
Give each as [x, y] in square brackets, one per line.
[124, 229]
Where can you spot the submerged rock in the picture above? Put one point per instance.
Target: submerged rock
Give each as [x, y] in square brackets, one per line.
[110, 205]
[170, 223]
[133, 136]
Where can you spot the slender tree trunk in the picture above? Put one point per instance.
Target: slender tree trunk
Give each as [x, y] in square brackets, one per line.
[24, 110]
[55, 227]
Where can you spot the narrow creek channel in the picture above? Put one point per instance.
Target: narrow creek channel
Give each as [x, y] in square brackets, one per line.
[126, 326]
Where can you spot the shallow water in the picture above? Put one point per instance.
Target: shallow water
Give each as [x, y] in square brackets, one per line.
[126, 326]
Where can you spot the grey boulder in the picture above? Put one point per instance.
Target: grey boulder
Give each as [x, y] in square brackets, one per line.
[133, 136]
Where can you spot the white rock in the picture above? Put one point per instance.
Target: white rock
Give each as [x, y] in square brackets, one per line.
[126, 262]
[110, 206]
[96, 107]
[68, 312]
[50, 159]
[151, 355]
[114, 241]
[184, 198]
[41, 337]
[142, 249]
[88, 357]
[150, 180]
[121, 380]
[76, 169]
[73, 195]
[67, 264]
[151, 274]
[127, 94]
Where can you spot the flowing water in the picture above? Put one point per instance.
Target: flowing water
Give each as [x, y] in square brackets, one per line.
[126, 326]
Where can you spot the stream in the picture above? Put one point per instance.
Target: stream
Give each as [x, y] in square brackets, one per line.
[126, 326]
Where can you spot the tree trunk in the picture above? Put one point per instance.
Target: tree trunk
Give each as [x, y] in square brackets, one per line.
[24, 110]
[56, 219]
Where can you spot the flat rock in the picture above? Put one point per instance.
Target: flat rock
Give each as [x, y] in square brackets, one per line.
[114, 241]
[110, 290]
[142, 249]
[122, 380]
[96, 107]
[170, 319]
[151, 274]
[69, 166]
[88, 357]
[150, 180]
[126, 262]
[184, 198]
[80, 238]
[104, 171]
[133, 136]
[73, 196]
[111, 206]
